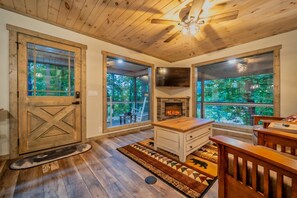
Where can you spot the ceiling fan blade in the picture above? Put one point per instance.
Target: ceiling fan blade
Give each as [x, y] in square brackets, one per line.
[196, 9]
[164, 22]
[173, 36]
[227, 16]
[214, 37]
[155, 38]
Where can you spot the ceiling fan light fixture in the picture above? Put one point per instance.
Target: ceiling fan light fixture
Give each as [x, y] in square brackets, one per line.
[194, 28]
[185, 31]
[242, 66]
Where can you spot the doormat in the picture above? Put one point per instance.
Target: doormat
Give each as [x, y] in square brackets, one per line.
[49, 156]
[193, 178]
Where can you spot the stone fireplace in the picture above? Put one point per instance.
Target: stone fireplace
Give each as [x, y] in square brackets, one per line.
[168, 108]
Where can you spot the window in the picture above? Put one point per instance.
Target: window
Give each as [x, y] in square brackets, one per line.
[50, 71]
[233, 90]
[128, 93]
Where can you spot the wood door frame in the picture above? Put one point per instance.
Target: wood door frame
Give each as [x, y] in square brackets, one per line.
[276, 74]
[13, 85]
[125, 127]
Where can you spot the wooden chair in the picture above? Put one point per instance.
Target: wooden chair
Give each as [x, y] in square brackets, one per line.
[266, 120]
[278, 140]
[139, 112]
[247, 158]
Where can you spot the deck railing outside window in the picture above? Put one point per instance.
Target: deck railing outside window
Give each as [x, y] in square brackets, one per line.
[228, 93]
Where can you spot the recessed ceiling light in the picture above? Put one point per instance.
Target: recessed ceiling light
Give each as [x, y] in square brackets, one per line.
[120, 61]
[232, 61]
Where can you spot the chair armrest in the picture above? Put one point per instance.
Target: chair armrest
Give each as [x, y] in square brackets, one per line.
[276, 138]
[258, 118]
[277, 133]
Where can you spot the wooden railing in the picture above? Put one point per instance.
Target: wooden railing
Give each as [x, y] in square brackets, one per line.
[250, 109]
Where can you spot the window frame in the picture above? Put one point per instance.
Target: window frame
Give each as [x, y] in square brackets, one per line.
[133, 126]
[276, 74]
[70, 82]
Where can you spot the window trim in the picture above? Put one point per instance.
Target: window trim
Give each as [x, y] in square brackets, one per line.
[133, 126]
[276, 74]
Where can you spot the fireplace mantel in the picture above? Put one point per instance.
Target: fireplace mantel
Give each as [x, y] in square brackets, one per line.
[161, 101]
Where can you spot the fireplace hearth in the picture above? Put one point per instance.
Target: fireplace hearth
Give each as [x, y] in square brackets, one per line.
[168, 108]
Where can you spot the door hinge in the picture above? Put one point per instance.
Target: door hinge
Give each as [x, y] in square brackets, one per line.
[18, 142]
[18, 94]
[18, 43]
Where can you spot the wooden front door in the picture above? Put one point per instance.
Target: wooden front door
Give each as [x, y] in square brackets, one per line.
[49, 84]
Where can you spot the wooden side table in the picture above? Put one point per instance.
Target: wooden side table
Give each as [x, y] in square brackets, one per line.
[182, 136]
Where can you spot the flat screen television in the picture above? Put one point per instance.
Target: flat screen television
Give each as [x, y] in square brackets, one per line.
[172, 77]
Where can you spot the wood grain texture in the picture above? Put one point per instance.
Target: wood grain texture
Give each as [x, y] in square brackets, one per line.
[265, 119]
[13, 74]
[47, 122]
[183, 124]
[267, 159]
[276, 82]
[100, 172]
[276, 158]
[13, 100]
[286, 140]
[127, 23]
[194, 90]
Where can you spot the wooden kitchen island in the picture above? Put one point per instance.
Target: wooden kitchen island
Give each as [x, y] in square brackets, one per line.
[182, 136]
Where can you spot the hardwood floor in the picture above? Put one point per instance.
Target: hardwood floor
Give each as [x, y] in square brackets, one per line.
[101, 172]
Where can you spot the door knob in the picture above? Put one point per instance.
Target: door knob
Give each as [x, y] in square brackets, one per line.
[77, 94]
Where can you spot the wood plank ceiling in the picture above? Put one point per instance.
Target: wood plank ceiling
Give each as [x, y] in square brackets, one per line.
[127, 22]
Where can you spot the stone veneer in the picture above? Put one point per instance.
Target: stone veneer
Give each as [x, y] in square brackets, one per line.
[161, 107]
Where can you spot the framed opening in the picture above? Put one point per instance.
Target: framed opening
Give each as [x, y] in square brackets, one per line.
[232, 89]
[127, 93]
[34, 55]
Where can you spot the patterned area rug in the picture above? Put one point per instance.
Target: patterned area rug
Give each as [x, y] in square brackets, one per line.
[193, 178]
[49, 156]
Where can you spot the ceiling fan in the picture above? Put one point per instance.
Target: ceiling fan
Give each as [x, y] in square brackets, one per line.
[191, 20]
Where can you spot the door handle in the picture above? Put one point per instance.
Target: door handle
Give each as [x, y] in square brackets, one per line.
[76, 102]
[77, 94]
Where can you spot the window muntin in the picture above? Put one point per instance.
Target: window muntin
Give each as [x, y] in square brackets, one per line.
[50, 71]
